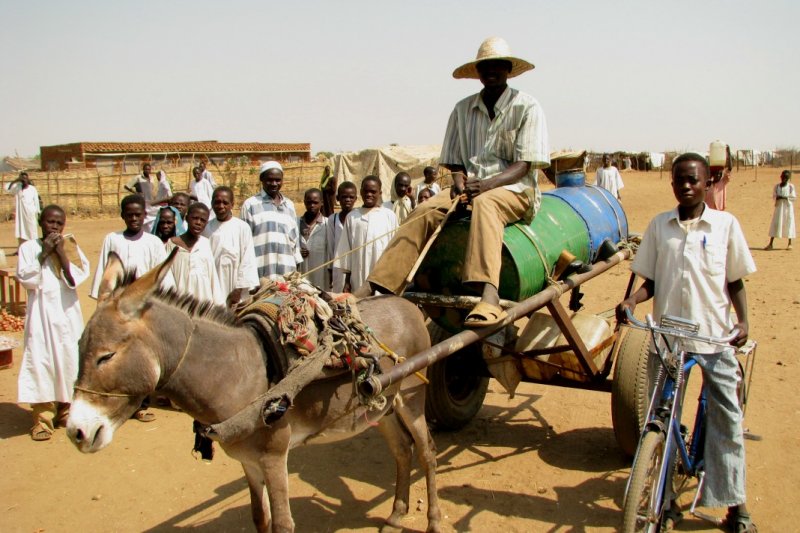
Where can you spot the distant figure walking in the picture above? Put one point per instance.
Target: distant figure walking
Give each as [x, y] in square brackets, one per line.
[782, 225]
[609, 178]
[28, 206]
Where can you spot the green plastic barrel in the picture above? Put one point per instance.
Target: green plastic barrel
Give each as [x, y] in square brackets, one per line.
[556, 227]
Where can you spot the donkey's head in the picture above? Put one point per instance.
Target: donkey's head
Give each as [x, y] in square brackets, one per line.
[118, 367]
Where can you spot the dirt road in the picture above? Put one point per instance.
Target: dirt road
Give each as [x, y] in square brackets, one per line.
[544, 461]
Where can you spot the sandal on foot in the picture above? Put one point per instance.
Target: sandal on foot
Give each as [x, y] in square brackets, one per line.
[41, 432]
[144, 416]
[672, 517]
[484, 314]
[737, 522]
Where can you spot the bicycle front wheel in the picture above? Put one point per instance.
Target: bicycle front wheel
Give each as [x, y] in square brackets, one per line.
[642, 511]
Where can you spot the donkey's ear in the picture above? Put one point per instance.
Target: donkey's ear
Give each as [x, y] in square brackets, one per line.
[112, 275]
[134, 298]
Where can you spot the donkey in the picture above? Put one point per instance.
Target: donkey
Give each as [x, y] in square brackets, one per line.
[143, 339]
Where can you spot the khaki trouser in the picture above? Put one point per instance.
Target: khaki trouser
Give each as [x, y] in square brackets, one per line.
[491, 211]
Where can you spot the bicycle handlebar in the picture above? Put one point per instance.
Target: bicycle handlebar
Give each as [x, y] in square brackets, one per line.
[651, 325]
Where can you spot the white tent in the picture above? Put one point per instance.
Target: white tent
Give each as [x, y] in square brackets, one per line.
[385, 163]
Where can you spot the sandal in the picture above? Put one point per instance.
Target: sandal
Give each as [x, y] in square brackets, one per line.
[41, 432]
[738, 522]
[672, 517]
[485, 314]
[144, 416]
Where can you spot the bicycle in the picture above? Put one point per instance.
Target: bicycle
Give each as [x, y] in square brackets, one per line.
[667, 456]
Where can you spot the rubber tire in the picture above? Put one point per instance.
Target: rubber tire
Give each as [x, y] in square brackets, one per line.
[457, 385]
[631, 388]
[644, 480]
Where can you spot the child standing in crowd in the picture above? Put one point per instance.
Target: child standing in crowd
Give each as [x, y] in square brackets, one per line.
[50, 269]
[346, 195]
[367, 232]
[232, 247]
[693, 260]
[181, 201]
[138, 251]
[424, 195]
[403, 200]
[313, 239]
[168, 224]
[193, 268]
[782, 225]
[201, 188]
[429, 182]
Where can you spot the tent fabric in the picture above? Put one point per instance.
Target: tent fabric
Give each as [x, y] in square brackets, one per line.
[385, 162]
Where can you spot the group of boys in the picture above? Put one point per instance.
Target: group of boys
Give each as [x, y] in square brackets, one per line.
[692, 259]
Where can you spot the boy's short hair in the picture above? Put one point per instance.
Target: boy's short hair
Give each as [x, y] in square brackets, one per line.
[376, 179]
[223, 188]
[343, 186]
[195, 206]
[691, 157]
[398, 176]
[312, 190]
[428, 170]
[132, 199]
[181, 194]
[786, 173]
[51, 207]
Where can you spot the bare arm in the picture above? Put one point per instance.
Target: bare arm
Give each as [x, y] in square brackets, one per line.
[642, 294]
[738, 296]
[459, 173]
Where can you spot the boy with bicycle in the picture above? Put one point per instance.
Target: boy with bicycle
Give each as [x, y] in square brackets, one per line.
[693, 260]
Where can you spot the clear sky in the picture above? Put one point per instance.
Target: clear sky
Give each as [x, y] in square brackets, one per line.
[348, 75]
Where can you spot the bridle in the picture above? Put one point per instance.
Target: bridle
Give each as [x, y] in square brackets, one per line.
[158, 385]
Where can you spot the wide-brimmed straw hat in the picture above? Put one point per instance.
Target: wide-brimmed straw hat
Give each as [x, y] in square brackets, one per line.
[493, 48]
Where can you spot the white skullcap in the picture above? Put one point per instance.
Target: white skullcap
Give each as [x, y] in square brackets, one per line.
[269, 165]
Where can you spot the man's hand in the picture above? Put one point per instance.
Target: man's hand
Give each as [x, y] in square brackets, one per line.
[303, 252]
[741, 338]
[474, 187]
[628, 304]
[51, 243]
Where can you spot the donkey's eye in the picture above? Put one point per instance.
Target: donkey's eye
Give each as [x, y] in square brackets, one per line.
[104, 358]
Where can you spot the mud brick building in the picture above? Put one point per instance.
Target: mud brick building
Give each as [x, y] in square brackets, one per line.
[117, 155]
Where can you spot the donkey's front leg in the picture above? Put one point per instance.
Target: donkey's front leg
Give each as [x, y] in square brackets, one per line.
[259, 500]
[276, 474]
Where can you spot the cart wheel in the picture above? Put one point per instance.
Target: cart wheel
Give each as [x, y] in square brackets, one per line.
[634, 376]
[457, 385]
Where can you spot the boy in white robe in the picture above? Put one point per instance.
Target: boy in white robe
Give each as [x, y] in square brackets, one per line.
[50, 269]
[609, 178]
[201, 189]
[26, 198]
[139, 252]
[367, 232]
[231, 244]
[429, 182]
[193, 268]
[403, 199]
[313, 229]
[346, 195]
[782, 225]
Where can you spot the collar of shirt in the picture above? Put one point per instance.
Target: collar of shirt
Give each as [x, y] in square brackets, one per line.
[279, 202]
[708, 216]
[499, 107]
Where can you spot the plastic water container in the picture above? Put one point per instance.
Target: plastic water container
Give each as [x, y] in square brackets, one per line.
[717, 154]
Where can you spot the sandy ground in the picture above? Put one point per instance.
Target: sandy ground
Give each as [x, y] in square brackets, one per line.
[544, 461]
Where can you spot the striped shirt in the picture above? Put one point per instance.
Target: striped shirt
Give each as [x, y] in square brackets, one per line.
[486, 147]
[275, 235]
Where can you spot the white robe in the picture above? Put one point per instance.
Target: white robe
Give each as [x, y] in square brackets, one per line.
[374, 226]
[195, 272]
[609, 179]
[140, 256]
[334, 230]
[234, 254]
[434, 187]
[317, 245]
[26, 221]
[782, 226]
[53, 325]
